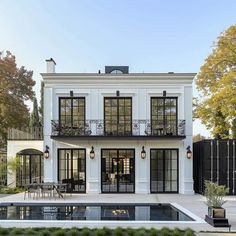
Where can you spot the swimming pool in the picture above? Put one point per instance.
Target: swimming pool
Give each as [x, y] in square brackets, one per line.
[92, 212]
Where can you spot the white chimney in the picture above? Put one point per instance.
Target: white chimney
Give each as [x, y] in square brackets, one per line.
[50, 65]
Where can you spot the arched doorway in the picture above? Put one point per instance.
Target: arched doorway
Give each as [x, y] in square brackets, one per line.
[29, 167]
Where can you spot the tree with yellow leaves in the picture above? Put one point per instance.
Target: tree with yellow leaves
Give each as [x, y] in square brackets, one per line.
[216, 83]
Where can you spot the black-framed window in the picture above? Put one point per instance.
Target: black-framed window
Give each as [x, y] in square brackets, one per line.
[30, 169]
[164, 115]
[164, 170]
[72, 168]
[72, 112]
[117, 116]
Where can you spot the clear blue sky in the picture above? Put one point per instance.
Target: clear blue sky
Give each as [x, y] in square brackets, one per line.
[84, 36]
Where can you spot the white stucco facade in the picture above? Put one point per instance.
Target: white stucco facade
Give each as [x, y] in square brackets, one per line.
[141, 88]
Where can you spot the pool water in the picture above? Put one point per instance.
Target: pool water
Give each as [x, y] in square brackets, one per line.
[98, 212]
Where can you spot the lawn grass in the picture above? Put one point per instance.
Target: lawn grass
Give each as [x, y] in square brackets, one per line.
[95, 232]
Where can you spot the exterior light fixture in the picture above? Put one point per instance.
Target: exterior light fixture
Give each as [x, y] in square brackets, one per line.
[189, 152]
[46, 152]
[143, 153]
[92, 153]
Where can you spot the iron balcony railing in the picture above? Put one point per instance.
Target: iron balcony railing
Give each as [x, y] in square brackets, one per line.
[135, 128]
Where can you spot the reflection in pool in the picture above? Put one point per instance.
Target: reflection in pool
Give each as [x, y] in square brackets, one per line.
[126, 212]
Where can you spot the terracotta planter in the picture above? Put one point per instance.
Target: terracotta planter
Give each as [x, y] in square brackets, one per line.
[214, 212]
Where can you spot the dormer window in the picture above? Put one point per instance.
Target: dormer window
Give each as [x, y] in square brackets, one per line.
[117, 72]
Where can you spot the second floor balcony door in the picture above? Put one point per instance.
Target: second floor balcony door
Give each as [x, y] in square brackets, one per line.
[72, 115]
[164, 116]
[118, 116]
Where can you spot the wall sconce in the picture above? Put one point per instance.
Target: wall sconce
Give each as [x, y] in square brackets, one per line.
[189, 152]
[46, 152]
[143, 153]
[92, 153]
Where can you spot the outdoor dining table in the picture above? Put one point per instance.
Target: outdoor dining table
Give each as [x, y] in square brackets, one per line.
[41, 188]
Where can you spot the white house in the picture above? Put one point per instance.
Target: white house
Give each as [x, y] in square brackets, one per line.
[118, 132]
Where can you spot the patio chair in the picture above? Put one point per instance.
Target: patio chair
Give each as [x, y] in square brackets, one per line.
[47, 188]
[32, 189]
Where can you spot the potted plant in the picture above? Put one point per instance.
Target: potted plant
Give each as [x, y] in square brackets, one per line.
[215, 194]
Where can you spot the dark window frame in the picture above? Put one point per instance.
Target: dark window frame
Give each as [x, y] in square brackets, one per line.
[164, 149]
[25, 171]
[164, 115]
[71, 107]
[85, 172]
[117, 151]
[131, 115]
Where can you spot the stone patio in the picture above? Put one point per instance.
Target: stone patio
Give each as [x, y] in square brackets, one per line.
[195, 204]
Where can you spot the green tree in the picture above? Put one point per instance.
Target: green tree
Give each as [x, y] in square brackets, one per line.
[34, 117]
[216, 83]
[16, 87]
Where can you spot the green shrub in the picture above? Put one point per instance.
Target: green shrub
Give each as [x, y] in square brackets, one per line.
[17, 231]
[153, 232]
[45, 232]
[188, 232]
[141, 232]
[165, 231]
[176, 232]
[60, 232]
[3, 231]
[130, 231]
[107, 231]
[7, 190]
[75, 232]
[118, 231]
[30, 231]
[100, 232]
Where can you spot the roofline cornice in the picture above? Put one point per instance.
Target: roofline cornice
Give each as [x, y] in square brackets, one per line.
[136, 76]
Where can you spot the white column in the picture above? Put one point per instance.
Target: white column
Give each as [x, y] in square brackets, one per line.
[48, 116]
[186, 168]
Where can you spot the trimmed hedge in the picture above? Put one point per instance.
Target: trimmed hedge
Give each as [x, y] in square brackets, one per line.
[95, 232]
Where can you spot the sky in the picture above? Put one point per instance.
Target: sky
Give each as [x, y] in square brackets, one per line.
[84, 36]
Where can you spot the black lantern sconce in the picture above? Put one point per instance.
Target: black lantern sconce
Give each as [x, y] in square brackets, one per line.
[143, 153]
[189, 152]
[92, 153]
[46, 152]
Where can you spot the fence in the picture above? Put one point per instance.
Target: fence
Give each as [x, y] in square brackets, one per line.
[214, 160]
[34, 133]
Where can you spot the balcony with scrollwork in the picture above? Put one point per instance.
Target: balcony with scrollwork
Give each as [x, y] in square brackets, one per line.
[135, 129]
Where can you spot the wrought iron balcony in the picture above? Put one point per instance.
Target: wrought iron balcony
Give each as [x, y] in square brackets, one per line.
[91, 128]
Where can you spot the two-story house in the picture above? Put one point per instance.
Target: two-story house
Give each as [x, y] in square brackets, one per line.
[118, 132]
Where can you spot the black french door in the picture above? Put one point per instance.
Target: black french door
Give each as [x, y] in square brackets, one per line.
[118, 171]
[117, 116]
[164, 170]
[72, 169]
[164, 115]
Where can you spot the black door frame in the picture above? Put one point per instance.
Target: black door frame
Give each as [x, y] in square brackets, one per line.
[104, 113]
[118, 149]
[71, 149]
[163, 149]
